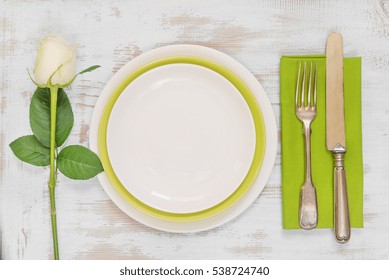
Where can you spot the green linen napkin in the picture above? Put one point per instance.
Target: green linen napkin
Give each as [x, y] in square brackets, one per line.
[292, 144]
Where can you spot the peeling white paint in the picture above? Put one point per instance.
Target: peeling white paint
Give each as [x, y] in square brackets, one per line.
[256, 33]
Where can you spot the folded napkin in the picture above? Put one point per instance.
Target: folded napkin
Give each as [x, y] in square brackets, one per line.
[292, 143]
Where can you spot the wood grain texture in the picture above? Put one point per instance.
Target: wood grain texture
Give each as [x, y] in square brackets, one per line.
[111, 33]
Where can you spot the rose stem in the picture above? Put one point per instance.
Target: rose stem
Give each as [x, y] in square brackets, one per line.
[53, 174]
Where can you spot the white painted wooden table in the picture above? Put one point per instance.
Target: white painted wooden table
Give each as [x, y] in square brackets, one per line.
[111, 33]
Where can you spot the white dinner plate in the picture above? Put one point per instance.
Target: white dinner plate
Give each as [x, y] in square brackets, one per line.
[181, 138]
[161, 87]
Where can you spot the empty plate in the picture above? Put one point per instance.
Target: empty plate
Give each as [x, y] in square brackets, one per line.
[183, 132]
[181, 138]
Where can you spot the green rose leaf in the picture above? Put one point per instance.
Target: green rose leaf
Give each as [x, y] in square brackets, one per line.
[30, 150]
[40, 116]
[78, 162]
[89, 69]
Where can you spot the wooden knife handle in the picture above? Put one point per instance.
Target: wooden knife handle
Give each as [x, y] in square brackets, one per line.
[342, 217]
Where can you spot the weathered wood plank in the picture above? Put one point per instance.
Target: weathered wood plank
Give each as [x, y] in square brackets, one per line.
[254, 32]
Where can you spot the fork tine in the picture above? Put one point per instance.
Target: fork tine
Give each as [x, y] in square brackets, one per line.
[315, 87]
[303, 87]
[298, 87]
[310, 86]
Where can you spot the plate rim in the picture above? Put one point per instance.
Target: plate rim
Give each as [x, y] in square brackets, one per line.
[241, 189]
[270, 126]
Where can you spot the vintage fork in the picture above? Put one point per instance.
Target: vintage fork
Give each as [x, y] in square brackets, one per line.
[306, 113]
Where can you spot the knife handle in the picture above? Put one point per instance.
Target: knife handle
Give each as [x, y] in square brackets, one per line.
[341, 218]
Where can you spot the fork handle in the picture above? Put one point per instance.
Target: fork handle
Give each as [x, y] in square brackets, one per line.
[341, 211]
[308, 207]
[308, 201]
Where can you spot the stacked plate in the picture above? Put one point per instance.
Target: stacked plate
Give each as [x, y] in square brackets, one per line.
[187, 138]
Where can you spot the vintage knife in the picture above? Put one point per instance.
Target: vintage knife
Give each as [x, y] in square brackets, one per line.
[335, 133]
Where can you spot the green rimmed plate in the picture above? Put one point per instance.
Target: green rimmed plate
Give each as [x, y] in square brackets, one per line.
[169, 202]
[235, 202]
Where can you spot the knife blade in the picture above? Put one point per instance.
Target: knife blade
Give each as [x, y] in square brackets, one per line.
[335, 133]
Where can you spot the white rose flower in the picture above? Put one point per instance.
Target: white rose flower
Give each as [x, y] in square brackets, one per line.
[55, 52]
